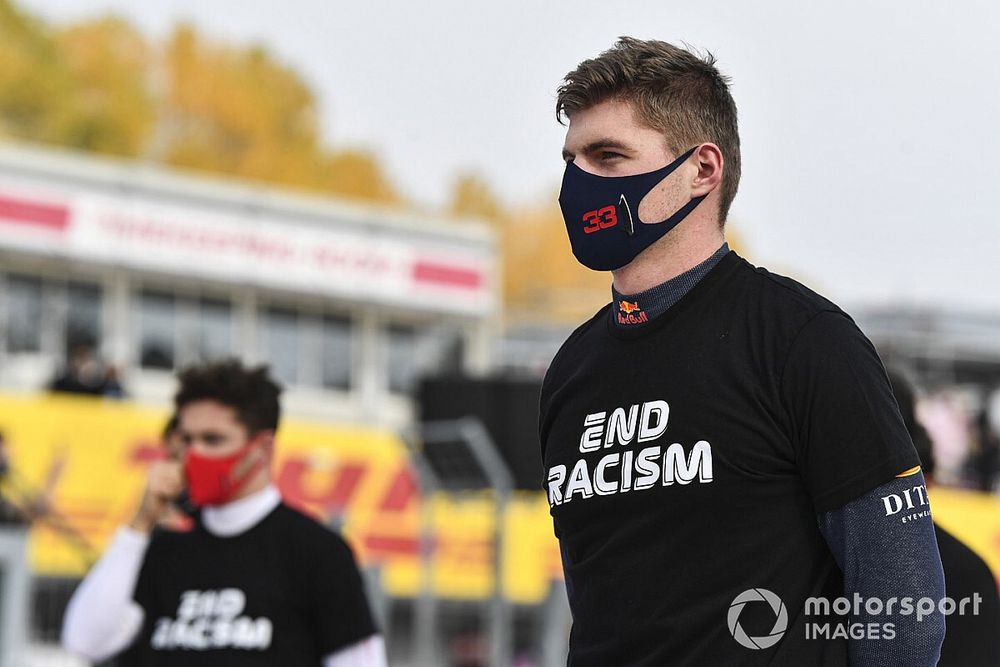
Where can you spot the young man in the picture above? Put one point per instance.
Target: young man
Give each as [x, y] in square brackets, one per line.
[254, 583]
[718, 440]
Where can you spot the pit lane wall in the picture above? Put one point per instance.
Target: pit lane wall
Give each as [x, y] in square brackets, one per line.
[96, 451]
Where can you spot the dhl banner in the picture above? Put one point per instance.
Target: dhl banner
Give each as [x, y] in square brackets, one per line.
[93, 454]
[972, 517]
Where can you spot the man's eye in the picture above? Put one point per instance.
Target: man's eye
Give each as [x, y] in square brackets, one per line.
[610, 155]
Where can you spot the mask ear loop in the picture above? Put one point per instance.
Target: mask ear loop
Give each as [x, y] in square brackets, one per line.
[239, 478]
[683, 211]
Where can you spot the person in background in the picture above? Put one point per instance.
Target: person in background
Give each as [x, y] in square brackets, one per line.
[971, 640]
[255, 582]
[22, 502]
[84, 374]
[985, 462]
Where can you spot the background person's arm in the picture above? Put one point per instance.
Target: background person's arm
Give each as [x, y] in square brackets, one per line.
[102, 619]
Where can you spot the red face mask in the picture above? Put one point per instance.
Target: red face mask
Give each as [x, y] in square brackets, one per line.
[215, 480]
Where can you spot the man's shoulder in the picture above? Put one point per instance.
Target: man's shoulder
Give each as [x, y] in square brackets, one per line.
[782, 301]
[299, 525]
[787, 292]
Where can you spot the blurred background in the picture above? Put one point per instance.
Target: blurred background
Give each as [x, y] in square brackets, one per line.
[363, 196]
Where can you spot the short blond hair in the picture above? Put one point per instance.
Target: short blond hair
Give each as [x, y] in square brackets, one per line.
[673, 90]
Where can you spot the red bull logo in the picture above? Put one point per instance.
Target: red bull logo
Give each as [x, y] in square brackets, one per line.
[627, 313]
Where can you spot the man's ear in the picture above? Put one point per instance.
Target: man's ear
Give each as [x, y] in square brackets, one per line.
[708, 159]
[265, 440]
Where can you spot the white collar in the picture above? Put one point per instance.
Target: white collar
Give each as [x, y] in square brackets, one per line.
[240, 515]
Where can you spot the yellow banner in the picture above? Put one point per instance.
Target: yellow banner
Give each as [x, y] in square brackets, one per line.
[94, 453]
[972, 517]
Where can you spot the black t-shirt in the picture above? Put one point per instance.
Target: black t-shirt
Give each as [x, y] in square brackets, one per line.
[972, 639]
[285, 592]
[686, 461]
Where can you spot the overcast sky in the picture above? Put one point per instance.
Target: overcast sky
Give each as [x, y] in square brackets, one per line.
[870, 130]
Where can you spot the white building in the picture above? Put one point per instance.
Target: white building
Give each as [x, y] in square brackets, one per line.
[158, 269]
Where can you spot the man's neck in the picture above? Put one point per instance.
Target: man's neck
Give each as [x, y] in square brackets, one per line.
[680, 250]
[238, 516]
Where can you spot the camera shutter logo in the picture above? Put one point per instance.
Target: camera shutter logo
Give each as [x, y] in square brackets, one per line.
[780, 623]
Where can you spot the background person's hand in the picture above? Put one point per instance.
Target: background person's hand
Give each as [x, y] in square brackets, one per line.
[164, 482]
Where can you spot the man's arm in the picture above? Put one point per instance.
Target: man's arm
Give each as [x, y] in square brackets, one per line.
[340, 616]
[102, 619]
[884, 543]
[850, 443]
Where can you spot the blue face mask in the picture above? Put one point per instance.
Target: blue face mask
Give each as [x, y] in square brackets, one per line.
[602, 214]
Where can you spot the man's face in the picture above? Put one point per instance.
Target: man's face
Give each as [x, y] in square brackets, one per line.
[174, 444]
[211, 429]
[608, 140]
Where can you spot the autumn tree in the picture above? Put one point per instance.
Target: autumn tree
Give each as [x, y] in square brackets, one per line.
[472, 197]
[113, 109]
[34, 79]
[191, 102]
[237, 111]
[357, 174]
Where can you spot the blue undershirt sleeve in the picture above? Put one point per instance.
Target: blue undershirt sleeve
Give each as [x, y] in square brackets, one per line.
[884, 543]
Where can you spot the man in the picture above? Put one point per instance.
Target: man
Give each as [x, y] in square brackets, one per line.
[254, 583]
[718, 440]
[973, 639]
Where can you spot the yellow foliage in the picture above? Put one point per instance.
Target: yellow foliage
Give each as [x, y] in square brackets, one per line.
[34, 79]
[113, 109]
[200, 104]
[357, 174]
[239, 112]
[472, 197]
[194, 103]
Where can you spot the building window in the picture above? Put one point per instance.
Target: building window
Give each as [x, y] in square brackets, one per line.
[401, 344]
[336, 352]
[415, 352]
[280, 335]
[157, 330]
[215, 339]
[24, 314]
[83, 316]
